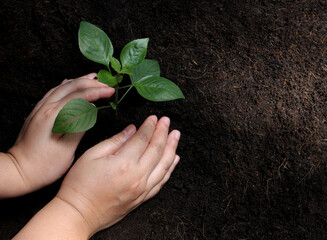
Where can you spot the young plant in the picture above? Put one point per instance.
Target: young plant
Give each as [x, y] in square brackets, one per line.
[79, 115]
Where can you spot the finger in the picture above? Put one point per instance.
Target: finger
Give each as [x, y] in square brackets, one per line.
[134, 148]
[66, 81]
[89, 94]
[49, 93]
[51, 110]
[73, 86]
[111, 145]
[89, 76]
[166, 161]
[154, 191]
[36, 109]
[154, 151]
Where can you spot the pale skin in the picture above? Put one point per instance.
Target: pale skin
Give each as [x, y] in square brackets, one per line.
[106, 183]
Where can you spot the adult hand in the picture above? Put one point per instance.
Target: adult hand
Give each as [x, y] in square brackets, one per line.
[117, 175]
[40, 156]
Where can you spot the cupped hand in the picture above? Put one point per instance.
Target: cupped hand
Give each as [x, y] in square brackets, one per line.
[117, 175]
[41, 156]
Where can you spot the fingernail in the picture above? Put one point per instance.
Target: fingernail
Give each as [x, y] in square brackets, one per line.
[166, 120]
[108, 89]
[112, 89]
[91, 75]
[178, 135]
[176, 160]
[153, 118]
[130, 130]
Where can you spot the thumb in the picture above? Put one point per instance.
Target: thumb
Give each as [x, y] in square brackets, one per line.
[111, 145]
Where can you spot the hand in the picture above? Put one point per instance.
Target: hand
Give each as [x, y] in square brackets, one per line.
[41, 156]
[117, 175]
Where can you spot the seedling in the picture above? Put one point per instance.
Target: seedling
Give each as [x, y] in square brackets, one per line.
[79, 115]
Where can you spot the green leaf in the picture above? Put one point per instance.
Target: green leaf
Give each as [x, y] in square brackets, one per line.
[78, 115]
[146, 68]
[115, 64]
[155, 88]
[94, 43]
[134, 53]
[127, 71]
[113, 105]
[105, 77]
[120, 78]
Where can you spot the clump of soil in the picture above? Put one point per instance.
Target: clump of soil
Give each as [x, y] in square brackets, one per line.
[253, 147]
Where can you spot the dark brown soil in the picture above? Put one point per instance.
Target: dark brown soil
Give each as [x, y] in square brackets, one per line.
[254, 131]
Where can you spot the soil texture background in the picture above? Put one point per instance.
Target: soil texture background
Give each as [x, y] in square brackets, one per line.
[254, 131]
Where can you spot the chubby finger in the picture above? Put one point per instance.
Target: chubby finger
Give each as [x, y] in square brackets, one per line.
[166, 160]
[156, 147]
[157, 187]
[57, 89]
[111, 145]
[136, 145]
[48, 112]
[89, 94]
[45, 97]
[89, 76]
[73, 86]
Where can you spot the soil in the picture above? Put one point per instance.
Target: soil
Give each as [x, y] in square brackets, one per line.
[254, 131]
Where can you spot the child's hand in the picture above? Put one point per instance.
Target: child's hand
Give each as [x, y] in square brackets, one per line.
[118, 174]
[41, 156]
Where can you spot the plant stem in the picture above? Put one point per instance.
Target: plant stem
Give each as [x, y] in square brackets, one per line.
[116, 94]
[109, 68]
[116, 100]
[126, 86]
[130, 87]
[108, 106]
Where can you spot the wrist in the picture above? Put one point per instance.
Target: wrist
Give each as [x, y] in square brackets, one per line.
[57, 220]
[82, 207]
[73, 216]
[12, 180]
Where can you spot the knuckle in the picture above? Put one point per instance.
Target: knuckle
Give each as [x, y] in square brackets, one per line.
[124, 168]
[116, 141]
[157, 148]
[137, 188]
[90, 94]
[166, 166]
[143, 136]
[86, 93]
[138, 185]
[49, 110]
[77, 84]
